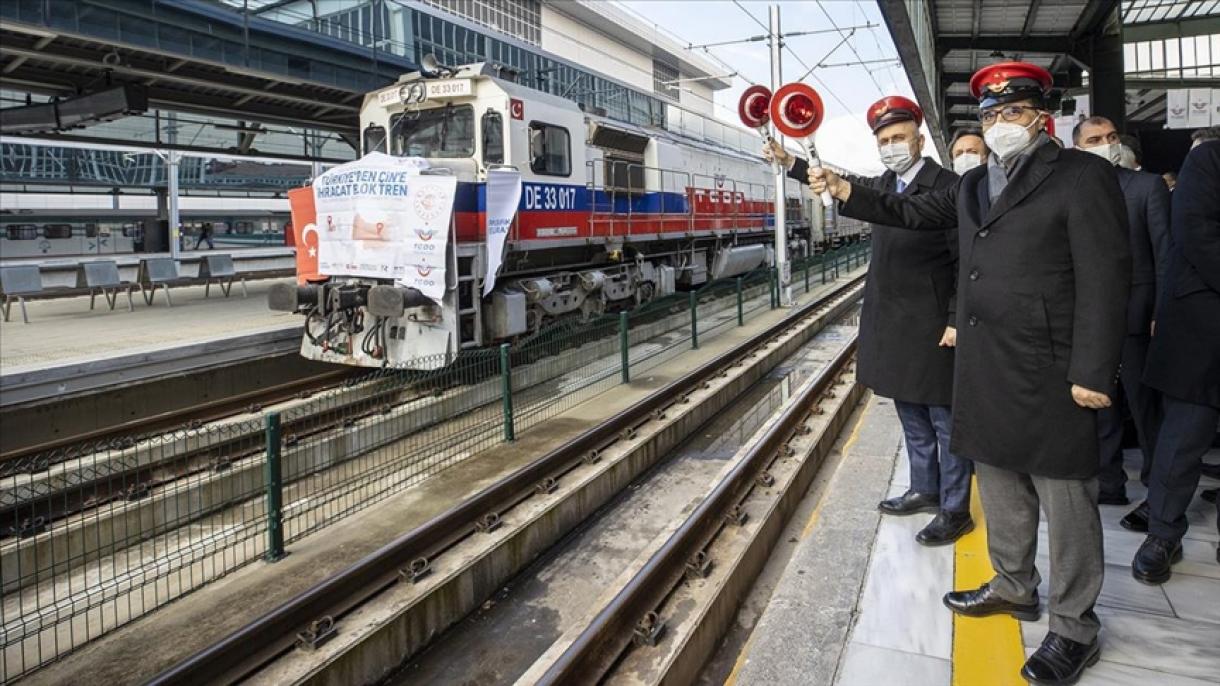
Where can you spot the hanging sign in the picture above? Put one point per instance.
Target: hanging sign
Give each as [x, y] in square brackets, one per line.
[1176, 104]
[379, 217]
[503, 196]
[1199, 108]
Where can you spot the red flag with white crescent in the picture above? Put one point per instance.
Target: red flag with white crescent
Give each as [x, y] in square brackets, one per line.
[305, 234]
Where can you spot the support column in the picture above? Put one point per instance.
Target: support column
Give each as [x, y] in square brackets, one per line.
[781, 175]
[1107, 82]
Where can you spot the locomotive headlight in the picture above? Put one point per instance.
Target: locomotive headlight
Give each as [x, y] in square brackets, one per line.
[412, 93]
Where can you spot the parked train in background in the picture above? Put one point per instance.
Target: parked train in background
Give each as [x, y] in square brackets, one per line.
[611, 216]
[81, 233]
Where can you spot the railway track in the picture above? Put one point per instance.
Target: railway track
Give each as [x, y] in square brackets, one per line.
[770, 469]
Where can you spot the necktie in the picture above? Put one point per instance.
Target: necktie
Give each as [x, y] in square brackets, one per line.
[902, 185]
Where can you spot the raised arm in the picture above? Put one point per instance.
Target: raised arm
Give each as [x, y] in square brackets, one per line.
[1101, 260]
[935, 211]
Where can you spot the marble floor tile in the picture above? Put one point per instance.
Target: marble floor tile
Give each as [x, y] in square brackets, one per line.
[866, 665]
[900, 607]
[1162, 644]
[1196, 598]
[1107, 673]
[1198, 557]
[1119, 590]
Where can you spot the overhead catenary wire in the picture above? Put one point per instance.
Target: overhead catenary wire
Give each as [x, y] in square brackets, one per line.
[809, 70]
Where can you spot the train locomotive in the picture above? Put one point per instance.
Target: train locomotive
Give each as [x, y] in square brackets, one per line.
[611, 215]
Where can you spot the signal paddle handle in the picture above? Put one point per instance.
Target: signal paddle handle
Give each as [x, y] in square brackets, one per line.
[815, 161]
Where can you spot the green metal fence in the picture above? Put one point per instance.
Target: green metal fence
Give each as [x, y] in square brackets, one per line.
[103, 533]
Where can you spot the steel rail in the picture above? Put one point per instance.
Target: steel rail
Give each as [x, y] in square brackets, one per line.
[243, 651]
[593, 653]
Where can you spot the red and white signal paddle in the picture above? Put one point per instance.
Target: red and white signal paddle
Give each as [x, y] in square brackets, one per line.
[797, 111]
[754, 109]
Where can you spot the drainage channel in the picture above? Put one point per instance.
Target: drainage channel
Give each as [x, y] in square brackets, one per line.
[503, 639]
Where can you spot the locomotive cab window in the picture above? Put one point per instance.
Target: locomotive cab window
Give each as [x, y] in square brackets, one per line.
[374, 139]
[493, 138]
[440, 132]
[550, 150]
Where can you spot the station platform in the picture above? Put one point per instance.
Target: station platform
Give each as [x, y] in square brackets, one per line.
[69, 349]
[251, 262]
[844, 614]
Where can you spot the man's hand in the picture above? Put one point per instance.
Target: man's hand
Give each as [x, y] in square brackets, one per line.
[949, 338]
[821, 179]
[773, 151]
[1090, 399]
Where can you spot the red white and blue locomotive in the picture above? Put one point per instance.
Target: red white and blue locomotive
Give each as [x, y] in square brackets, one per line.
[611, 215]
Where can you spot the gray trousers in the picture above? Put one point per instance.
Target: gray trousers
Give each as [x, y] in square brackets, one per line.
[1010, 506]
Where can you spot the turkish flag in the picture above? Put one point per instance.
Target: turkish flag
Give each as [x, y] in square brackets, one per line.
[305, 234]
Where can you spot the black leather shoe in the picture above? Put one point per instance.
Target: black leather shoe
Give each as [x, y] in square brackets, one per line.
[1060, 661]
[1113, 499]
[983, 602]
[910, 503]
[1153, 563]
[1137, 519]
[945, 528]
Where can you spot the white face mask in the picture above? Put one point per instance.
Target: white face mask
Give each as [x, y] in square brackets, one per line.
[966, 161]
[1006, 138]
[1111, 152]
[1127, 157]
[897, 157]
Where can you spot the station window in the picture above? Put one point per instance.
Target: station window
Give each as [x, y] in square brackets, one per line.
[22, 232]
[374, 139]
[550, 150]
[493, 138]
[57, 230]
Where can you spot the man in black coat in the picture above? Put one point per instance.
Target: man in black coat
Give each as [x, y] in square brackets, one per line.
[906, 324]
[1147, 199]
[1045, 267]
[1184, 361]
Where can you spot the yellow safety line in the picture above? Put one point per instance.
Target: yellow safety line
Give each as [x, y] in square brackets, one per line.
[987, 651]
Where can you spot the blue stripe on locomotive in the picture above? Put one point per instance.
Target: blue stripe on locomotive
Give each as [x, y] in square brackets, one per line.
[551, 197]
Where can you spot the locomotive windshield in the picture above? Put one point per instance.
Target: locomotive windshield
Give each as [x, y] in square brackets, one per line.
[441, 132]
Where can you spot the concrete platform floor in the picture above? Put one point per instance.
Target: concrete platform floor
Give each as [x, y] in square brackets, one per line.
[833, 620]
[65, 331]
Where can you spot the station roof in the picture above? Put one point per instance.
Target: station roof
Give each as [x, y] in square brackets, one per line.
[943, 47]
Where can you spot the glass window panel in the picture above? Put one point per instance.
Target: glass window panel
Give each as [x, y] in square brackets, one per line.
[1158, 55]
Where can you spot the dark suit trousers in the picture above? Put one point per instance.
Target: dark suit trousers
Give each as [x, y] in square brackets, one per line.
[1011, 501]
[1143, 403]
[933, 468]
[1186, 434]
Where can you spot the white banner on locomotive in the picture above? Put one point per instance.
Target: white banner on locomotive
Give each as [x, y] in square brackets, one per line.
[503, 197]
[379, 217]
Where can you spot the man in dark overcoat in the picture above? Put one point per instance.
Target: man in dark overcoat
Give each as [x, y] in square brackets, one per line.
[1147, 199]
[906, 324]
[1045, 267]
[1184, 361]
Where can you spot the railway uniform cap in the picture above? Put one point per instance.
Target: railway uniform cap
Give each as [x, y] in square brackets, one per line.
[893, 109]
[1005, 82]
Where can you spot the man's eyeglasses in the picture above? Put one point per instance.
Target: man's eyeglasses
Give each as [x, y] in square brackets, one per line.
[1007, 113]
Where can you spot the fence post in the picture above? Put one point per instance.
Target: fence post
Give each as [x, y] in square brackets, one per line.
[741, 318]
[506, 390]
[274, 481]
[624, 346]
[807, 259]
[822, 261]
[838, 262]
[694, 320]
[774, 287]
